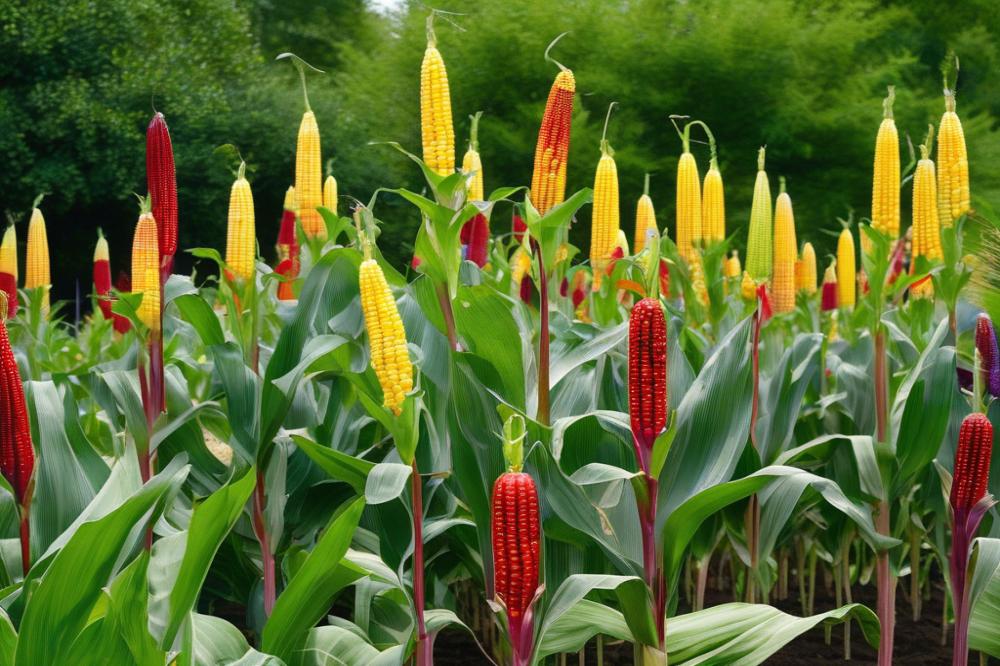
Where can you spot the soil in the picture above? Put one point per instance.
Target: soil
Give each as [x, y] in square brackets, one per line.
[916, 643]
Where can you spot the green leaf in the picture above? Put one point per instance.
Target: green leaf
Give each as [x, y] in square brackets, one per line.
[215, 641]
[68, 471]
[632, 595]
[349, 469]
[984, 597]
[310, 592]
[197, 312]
[747, 634]
[713, 423]
[386, 481]
[211, 522]
[58, 608]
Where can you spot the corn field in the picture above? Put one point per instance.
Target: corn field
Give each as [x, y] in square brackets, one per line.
[513, 450]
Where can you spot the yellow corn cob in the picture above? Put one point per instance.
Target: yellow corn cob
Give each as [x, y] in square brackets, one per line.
[689, 232]
[952, 165]
[713, 198]
[697, 272]
[290, 198]
[759, 242]
[732, 267]
[645, 218]
[473, 163]
[330, 194]
[713, 202]
[805, 270]
[8, 253]
[241, 241]
[36, 273]
[146, 269]
[389, 356]
[926, 222]
[748, 287]
[846, 270]
[885, 181]
[520, 265]
[605, 224]
[785, 251]
[436, 128]
[308, 177]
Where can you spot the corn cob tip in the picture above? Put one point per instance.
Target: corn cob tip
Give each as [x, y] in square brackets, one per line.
[887, 103]
[514, 433]
[101, 249]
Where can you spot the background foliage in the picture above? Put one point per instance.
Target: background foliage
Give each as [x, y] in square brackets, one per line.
[804, 77]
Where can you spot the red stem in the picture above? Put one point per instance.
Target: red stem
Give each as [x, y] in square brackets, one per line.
[260, 530]
[25, 540]
[959, 561]
[543, 338]
[425, 655]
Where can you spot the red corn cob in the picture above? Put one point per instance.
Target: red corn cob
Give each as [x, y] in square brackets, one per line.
[664, 278]
[124, 285]
[548, 181]
[515, 541]
[285, 292]
[102, 276]
[476, 236]
[526, 286]
[519, 227]
[830, 296]
[972, 461]
[17, 458]
[161, 180]
[579, 288]
[515, 529]
[647, 374]
[989, 355]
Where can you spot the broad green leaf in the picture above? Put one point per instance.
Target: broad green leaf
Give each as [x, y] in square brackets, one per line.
[386, 481]
[747, 634]
[632, 595]
[68, 471]
[984, 597]
[215, 641]
[211, 522]
[310, 592]
[197, 312]
[58, 608]
[349, 469]
[713, 423]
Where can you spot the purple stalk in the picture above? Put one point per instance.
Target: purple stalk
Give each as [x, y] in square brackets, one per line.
[964, 524]
[25, 540]
[260, 531]
[543, 338]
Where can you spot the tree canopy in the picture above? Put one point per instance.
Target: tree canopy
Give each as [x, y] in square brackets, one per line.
[804, 78]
